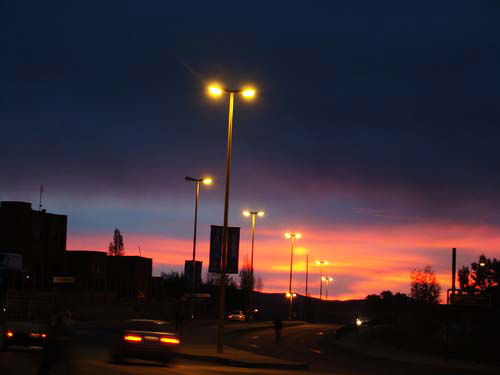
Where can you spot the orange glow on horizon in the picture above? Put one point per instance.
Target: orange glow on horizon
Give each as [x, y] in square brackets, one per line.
[362, 260]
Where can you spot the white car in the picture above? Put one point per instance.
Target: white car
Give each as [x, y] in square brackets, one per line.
[236, 315]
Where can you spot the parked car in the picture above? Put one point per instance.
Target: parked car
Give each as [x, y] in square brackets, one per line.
[23, 333]
[145, 339]
[236, 315]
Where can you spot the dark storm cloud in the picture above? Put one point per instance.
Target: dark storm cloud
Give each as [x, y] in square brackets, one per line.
[382, 105]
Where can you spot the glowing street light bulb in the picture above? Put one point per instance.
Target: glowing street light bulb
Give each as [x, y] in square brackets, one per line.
[298, 236]
[260, 213]
[246, 213]
[288, 235]
[215, 90]
[248, 93]
[207, 181]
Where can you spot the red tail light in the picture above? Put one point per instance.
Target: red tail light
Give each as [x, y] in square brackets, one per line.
[132, 338]
[9, 334]
[229, 316]
[44, 336]
[170, 340]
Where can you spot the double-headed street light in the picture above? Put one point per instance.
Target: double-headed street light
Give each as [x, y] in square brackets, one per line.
[205, 181]
[307, 272]
[216, 90]
[326, 279]
[291, 237]
[254, 215]
[321, 263]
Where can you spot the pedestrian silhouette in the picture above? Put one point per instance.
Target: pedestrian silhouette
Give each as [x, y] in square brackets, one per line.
[278, 327]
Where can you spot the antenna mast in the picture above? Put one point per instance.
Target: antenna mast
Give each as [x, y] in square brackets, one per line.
[40, 202]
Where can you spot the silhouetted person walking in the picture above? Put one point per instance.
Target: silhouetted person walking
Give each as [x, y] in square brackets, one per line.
[278, 327]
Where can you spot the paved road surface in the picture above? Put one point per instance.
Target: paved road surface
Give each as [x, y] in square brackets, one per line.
[312, 343]
[308, 343]
[95, 362]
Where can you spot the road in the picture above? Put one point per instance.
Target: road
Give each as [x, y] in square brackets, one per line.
[312, 344]
[307, 344]
[24, 362]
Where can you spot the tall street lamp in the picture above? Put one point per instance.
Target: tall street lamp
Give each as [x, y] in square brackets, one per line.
[254, 215]
[247, 93]
[321, 263]
[291, 237]
[307, 272]
[206, 181]
[326, 279]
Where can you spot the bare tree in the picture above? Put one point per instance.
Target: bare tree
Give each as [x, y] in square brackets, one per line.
[259, 284]
[246, 282]
[116, 247]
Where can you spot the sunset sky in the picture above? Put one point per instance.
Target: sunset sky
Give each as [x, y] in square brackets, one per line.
[375, 131]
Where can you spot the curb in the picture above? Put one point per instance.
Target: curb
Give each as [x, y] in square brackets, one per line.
[236, 363]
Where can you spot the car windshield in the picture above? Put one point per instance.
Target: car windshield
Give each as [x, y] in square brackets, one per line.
[150, 326]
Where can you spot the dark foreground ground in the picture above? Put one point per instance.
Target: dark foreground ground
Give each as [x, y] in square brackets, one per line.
[308, 343]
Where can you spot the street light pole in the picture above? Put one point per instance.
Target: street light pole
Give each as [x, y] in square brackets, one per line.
[321, 263]
[197, 181]
[327, 280]
[307, 272]
[222, 288]
[292, 237]
[249, 93]
[254, 215]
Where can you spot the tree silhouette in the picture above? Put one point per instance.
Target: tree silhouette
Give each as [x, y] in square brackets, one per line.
[116, 247]
[424, 286]
[246, 279]
[463, 277]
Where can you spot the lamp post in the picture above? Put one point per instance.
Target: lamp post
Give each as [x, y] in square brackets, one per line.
[254, 215]
[206, 181]
[247, 93]
[321, 263]
[307, 272]
[327, 279]
[291, 237]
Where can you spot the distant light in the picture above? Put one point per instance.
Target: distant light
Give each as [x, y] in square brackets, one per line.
[215, 90]
[482, 264]
[298, 236]
[207, 181]
[256, 310]
[10, 334]
[260, 213]
[359, 322]
[246, 213]
[248, 93]
[288, 235]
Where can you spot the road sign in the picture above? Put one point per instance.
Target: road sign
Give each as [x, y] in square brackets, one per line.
[63, 280]
[216, 249]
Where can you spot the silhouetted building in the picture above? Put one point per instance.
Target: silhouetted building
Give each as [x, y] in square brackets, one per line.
[89, 268]
[40, 238]
[129, 277]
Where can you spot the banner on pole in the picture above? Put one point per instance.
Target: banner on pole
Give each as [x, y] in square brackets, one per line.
[216, 249]
[188, 273]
